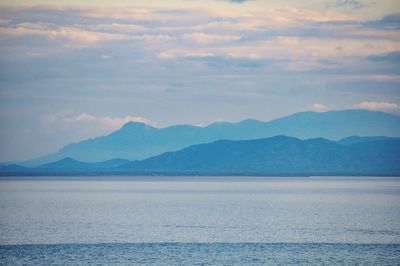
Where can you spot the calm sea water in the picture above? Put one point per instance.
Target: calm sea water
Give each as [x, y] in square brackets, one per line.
[310, 220]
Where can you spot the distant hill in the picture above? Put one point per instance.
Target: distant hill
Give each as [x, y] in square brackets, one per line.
[136, 141]
[357, 139]
[71, 164]
[276, 156]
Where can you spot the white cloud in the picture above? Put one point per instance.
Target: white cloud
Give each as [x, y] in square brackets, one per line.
[81, 117]
[204, 38]
[120, 12]
[78, 37]
[218, 32]
[153, 38]
[117, 122]
[70, 36]
[106, 121]
[317, 107]
[166, 55]
[379, 106]
[55, 117]
[120, 27]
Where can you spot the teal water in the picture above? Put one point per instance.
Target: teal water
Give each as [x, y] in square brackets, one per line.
[211, 221]
[201, 254]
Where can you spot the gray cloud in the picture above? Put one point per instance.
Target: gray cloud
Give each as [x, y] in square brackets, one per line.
[354, 4]
[224, 62]
[237, 1]
[154, 72]
[389, 57]
[391, 21]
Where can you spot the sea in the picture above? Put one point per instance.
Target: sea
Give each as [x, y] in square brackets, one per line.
[200, 221]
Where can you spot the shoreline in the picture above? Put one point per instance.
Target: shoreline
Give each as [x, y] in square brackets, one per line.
[189, 178]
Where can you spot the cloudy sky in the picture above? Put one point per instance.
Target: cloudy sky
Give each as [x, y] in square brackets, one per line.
[80, 69]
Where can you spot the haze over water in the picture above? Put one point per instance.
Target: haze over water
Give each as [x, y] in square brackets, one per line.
[315, 210]
[208, 220]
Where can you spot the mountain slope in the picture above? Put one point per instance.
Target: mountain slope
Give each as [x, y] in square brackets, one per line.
[71, 164]
[277, 156]
[357, 139]
[136, 141]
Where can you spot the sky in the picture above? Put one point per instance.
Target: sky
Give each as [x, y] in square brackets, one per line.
[72, 70]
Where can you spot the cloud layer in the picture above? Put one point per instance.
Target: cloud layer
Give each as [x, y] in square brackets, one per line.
[187, 62]
[379, 106]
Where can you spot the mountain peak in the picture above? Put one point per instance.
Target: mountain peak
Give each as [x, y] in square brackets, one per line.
[250, 122]
[68, 160]
[64, 163]
[135, 125]
[136, 140]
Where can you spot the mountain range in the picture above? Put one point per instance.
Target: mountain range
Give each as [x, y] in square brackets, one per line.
[275, 156]
[138, 141]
